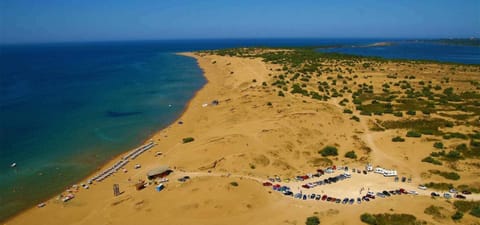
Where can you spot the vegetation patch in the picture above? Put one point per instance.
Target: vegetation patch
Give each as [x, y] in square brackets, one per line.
[329, 151]
[446, 175]
[439, 186]
[398, 139]
[414, 134]
[351, 155]
[312, 220]
[188, 139]
[390, 219]
[434, 211]
[431, 160]
[422, 126]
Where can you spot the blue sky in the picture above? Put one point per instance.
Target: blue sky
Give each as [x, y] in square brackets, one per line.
[99, 20]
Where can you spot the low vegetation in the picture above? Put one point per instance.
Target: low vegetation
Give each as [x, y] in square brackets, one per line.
[439, 186]
[312, 220]
[431, 160]
[390, 219]
[233, 183]
[398, 139]
[187, 139]
[446, 175]
[351, 155]
[329, 151]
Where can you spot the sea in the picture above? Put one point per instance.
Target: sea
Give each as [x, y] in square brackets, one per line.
[67, 108]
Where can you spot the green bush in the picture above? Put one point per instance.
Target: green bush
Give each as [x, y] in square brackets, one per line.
[351, 155]
[398, 139]
[188, 139]
[431, 160]
[390, 219]
[413, 134]
[329, 151]
[398, 114]
[348, 111]
[439, 186]
[453, 155]
[355, 118]
[475, 211]
[457, 216]
[233, 183]
[368, 219]
[438, 145]
[312, 220]
[281, 94]
[411, 112]
[447, 175]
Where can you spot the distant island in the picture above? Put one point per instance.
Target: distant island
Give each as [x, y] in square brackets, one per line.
[457, 41]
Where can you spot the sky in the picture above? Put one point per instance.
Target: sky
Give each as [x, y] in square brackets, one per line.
[24, 21]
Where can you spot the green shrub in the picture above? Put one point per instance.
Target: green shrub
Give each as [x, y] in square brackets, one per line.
[439, 186]
[355, 118]
[475, 211]
[312, 220]
[398, 114]
[398, 139]
[465, 206]
[390, 219]
[233, 183]
[351, 155]
[457, 216]
[281, 94]
[453, 155]
[447, 175]
[413, 134]
[368, 219]
[411, 112]
[431, 160]
[254, 80]
[438, 145]
[269, 104]
[348, 111]
[188, 139]
[329, 151]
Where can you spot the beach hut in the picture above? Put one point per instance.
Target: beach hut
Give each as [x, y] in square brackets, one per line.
[161, 171]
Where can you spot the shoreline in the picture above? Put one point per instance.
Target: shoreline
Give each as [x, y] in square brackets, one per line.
[255, 134]
[119, 156]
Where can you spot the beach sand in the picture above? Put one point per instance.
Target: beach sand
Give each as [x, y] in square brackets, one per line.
[252, 134]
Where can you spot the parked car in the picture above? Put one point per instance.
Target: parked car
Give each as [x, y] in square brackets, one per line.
[404, 179]
[288, 193]
[318, 197]
[452, 191]
[466, 192]
[329, 199]
[338, 201]
[459, 196]
[304, 197]
[351, 201]
[447, 195]
[365, 172]
[413, 192]
[422, 187]
[305, 186]
[386, 193]
[298, 195]
[312, 196]
[345, 200]
[380, 194]
[267, 184]
[435, 194]
[324, 197]
[359, 200]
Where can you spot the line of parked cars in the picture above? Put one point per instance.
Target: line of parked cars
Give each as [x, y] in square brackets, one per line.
[329, 180]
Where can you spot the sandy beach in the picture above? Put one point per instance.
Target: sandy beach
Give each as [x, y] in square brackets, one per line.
[254, 134]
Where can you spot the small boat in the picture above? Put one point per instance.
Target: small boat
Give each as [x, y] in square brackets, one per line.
[13, 165]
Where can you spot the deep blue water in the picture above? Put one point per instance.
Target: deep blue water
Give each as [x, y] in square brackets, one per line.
[416, 50]
[67, 108]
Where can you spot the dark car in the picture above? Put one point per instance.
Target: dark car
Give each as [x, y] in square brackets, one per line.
[435, 194]
[460, 196]
[370, 196]
[318, 197]
[466, 192]
[351, 201]
[312, 196]
[359, 200]
[345, 200]
[267, 184]
[324, 197]
[338, 201]
[288, 193]
[404, 179]
[329, 199]
[393, 192]
[365, 172]
[305, 186]
[386, 193]
[333, 199]
[304, 197]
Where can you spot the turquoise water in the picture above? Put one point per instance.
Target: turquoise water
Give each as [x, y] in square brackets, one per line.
[65, 109]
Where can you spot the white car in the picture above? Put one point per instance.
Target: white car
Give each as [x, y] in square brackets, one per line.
[413, 192]
[422, 187]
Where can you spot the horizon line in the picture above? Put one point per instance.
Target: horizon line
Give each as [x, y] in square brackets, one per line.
[230, 38]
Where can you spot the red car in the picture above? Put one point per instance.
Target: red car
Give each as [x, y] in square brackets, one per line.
[266, 184]
[324, 197]
[305, 186]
